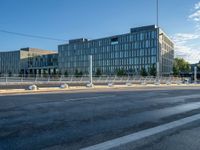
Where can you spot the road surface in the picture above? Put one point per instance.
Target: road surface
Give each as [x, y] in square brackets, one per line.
[85, 118]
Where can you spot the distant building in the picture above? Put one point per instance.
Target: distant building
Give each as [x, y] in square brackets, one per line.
[139, 49]
[10, 62]
[37, 61]
[28, 61]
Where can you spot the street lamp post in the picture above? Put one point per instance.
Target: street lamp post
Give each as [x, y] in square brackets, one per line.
[159, 49]
[158, 43]
[91, 80]
[157, 12]
[195, 74]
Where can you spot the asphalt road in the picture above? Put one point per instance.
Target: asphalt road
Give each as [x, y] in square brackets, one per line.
[187, 138]
[81, 119]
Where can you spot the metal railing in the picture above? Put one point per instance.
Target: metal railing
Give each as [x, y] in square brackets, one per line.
[16, 79]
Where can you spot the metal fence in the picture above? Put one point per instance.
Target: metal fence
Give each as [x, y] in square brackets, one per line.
[86, 79]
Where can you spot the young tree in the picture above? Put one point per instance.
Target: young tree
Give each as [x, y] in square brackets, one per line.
[76, 73]
[10, 74]
[80, 73]
[121, 72]
[20, 73]
[152, 71]
[98, 73]
[180, 65]
[66, 73]
[143, 72]
[198, 67]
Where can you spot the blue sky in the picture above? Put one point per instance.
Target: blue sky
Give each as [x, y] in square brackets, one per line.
[69, 19]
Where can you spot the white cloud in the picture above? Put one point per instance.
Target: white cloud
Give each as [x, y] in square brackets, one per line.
[189, 53]
[195, 16]
[184, 37]
[197, 5]
[186, 45]
[184, 48]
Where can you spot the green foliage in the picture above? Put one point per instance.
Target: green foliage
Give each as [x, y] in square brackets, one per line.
[78, 74]
[98, 73]
[180, 65]
[143, 72]
[152, 71]
[121, 72]
[21, 73]
[10, 74]
[66, 73]
[198, 67]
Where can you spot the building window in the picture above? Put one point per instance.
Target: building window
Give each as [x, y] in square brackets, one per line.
[114, 41]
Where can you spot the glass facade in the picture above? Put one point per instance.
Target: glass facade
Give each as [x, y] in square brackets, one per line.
[9, 62]
[28, 61]
[143, 47]
[36, 61]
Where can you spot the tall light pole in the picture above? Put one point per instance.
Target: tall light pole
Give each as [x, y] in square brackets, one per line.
[158, 43]
[157, 13]
[91, 82]
[195, 74]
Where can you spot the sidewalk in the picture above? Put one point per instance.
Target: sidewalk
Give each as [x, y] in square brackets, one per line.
[77, 88]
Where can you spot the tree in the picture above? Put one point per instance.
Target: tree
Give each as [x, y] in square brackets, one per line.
[143, 72]
[80, 73]
[98, 73]
[198, 67]
[121, 72]
[76, 73]
[21, 73]
[152, 70]
[66, 73]
[180, 65]
[10, 74]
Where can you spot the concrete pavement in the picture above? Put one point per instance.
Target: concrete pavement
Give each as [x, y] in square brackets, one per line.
[17, 90]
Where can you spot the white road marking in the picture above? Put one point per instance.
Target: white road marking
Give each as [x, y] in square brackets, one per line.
[88, 98]
[142, 134]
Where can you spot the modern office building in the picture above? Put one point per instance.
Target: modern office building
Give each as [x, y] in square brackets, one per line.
[37, 61]
[142, 48]
[29, 61]
[9, 62]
